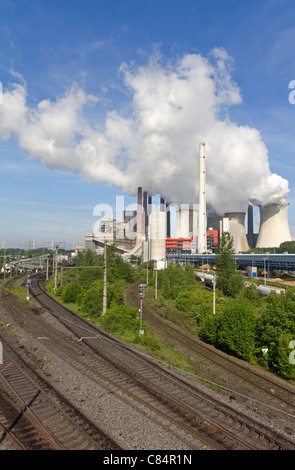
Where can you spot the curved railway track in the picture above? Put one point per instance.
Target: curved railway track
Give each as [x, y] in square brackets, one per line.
[33, 415]
[279, 393]
[102, 358]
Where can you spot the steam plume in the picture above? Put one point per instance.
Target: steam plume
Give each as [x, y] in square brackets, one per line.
[173, 106]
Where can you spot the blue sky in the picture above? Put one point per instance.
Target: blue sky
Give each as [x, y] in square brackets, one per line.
[63, 61]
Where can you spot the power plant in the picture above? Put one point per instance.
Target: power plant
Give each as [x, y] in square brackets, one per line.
[146, 232]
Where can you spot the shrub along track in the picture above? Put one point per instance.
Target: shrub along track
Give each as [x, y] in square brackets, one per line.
[100, 357]
[250, 383]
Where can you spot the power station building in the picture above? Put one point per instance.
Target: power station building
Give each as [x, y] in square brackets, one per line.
[148, 233]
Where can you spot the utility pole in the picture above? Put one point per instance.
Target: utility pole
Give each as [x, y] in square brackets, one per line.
[55, 277]
[156, 283]
[47, 269]
[104, 307]
[214, 293]
[4, 264]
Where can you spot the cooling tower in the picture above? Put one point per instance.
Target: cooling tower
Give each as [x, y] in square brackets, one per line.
[187, 222]
[157, 235]
[236, 227]
[274, 226]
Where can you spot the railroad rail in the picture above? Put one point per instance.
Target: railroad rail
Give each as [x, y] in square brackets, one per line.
[31, 419]
[100, 357]
[155, 387]
[281, 394]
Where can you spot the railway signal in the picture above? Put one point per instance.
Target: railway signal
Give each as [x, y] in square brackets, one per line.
[141, 294]
[141, 289]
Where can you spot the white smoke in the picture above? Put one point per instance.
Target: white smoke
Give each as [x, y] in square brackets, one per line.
[173, 106]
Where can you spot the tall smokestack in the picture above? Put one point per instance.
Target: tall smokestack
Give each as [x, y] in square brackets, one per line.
[168, 219]
[274, 226]
[139, 216]
[145, 212]
[150, 203]
[250, 226]
[202, 229]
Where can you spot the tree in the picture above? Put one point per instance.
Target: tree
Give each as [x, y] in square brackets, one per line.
[227, 280]
[287, 246]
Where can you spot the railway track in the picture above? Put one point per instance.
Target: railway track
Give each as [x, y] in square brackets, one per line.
[280, 394]
[152, 386]
[19, 429]
[30, 419]
[99, 357]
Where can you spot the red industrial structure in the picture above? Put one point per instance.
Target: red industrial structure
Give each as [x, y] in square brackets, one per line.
[178, 245]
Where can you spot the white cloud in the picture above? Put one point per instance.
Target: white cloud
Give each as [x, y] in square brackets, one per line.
[173, 106]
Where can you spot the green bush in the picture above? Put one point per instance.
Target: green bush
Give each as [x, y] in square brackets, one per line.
[232, 331]
[279, 360]
[121, 318]
[91, 301]
[71, 291]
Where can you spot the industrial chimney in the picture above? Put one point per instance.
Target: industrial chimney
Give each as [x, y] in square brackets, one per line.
[234, 223]
[145, 213]
[274, 226]
[202, 226]
[250, 236]
[140, 231]
[168, 219]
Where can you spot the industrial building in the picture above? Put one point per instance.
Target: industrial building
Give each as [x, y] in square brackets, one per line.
[147, 233]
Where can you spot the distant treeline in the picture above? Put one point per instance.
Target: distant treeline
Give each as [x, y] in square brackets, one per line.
[31, 253]
[288, 247]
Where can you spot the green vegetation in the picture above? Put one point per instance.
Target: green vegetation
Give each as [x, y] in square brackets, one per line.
[288, 247]
[81, 288]
[244, 324]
